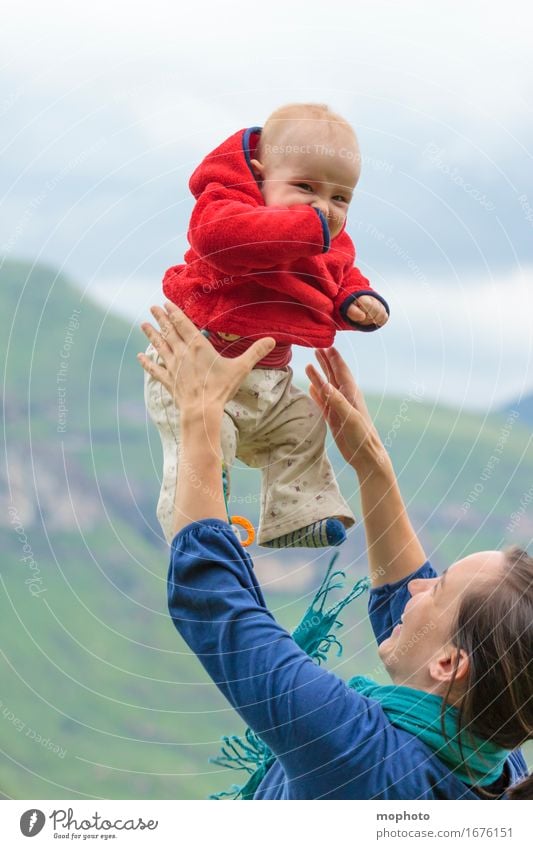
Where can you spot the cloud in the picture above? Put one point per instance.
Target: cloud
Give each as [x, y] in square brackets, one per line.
[156, 61]
[108, 107]
[467, 341]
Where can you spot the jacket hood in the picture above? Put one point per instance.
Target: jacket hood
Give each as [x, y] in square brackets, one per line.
[229, 164]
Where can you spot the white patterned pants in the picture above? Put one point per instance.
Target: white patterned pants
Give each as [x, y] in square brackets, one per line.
[269, 425]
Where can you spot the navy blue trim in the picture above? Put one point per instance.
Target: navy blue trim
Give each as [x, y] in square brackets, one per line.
[246, 150]
[387, 602]
[325, 229]
[246, 147]
[353, 297]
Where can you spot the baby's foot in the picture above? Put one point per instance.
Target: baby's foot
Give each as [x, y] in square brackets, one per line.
[319, 534]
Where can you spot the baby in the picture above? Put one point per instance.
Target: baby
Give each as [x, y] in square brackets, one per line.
[270, 256]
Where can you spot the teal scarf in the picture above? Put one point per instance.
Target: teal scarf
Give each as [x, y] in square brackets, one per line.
[419, 713]
[412, 710]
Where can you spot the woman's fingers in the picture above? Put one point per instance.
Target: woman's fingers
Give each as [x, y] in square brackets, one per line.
[317, 397]
[338, 373]
[341, 378]
[316, 379]
[177, 330]
[320, 389]
[157, 371]
[157, 340]
[190, 365]
[184, 327]
[328, 400]
[345, 381]
[339, 367]
[326, 366]
[346, 421]
[320, 398]
[168, 333]
[338, 376]
[327, 396]
[343, 406]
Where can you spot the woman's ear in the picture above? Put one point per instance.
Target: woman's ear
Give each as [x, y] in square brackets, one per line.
[258, 168]
[443, 667]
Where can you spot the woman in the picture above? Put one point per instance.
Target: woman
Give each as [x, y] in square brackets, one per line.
[458, 647]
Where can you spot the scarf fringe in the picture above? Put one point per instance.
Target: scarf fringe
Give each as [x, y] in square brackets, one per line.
[313, 635]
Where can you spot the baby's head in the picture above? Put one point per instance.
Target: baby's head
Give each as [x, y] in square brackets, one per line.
[308, 154]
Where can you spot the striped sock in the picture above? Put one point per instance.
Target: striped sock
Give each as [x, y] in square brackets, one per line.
[319, 534]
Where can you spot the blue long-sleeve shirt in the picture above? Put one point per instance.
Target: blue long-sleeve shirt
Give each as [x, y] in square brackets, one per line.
[330, 742]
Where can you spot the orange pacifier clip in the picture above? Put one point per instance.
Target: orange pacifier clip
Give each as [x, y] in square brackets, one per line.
[236, 521]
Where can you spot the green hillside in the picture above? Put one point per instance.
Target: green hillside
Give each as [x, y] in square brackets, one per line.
[100, 697]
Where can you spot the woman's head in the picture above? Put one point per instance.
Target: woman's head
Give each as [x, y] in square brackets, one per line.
[468, 636]
[420, 653]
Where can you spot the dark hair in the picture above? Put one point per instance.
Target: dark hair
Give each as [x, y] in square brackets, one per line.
[494, 626]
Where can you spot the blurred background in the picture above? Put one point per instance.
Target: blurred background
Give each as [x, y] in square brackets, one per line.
[105, 110]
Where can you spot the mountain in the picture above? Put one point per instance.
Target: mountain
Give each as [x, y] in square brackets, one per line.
[100, 696]
[524, 407]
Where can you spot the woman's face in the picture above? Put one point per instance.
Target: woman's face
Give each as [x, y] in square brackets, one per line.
[419, 652]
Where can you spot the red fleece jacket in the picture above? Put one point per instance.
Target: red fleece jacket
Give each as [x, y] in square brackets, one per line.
[257, 270]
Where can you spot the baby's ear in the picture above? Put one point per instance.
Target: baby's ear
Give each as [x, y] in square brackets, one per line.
[257, 168]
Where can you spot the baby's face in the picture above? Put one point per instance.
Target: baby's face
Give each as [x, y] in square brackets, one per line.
[318, 175]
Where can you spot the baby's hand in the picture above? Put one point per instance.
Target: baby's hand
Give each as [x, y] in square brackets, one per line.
[368, 310]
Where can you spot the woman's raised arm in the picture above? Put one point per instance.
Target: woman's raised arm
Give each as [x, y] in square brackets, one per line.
[394, 550]
[200, 382]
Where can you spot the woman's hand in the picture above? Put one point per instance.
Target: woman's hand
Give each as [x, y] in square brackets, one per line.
[199, 380]
[394, 550]
[344, 408]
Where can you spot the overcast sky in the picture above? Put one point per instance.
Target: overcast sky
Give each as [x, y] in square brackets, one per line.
[106, 109]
